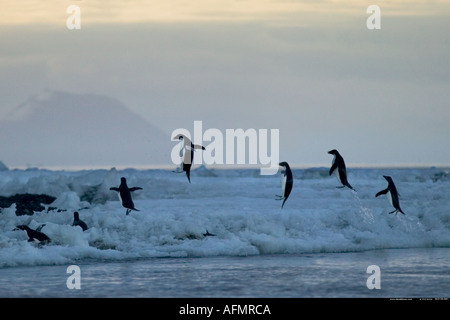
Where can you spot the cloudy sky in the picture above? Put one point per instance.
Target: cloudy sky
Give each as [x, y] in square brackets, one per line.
[311, 69]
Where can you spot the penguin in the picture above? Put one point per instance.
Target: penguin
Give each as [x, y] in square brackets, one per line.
[78, 222]
[392, 194]
[33, 235]
[125, 195]
[341, 172]
[287, 181]
[187, 153]
[207, 234]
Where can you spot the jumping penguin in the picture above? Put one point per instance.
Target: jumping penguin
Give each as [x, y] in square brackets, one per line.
[287, 182]
[34, 235]
[125, 195]
[187, 155]
[341, 172]
[392, 194]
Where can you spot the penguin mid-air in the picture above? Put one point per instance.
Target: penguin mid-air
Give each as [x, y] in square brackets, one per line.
[187, 155]
[34, 235]
[287, 181]
[125, 195]
[78, 222]
[392, 194]
[339, 169]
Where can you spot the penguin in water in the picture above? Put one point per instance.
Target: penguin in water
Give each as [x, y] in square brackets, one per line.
[125, 195]
[34, 235]
[187, 155]
[78, 222]
[207, 234]
[339, 169]
[392, 194]
[287, 182]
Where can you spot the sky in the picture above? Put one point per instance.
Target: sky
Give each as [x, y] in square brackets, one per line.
[311, 69]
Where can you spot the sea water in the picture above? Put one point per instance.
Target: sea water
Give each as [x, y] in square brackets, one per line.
[420, 273]
[319, 245]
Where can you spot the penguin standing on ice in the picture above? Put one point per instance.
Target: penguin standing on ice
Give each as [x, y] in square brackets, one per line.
[187, 155]
[392, 194]
[125, 195]
[34, 235]
[339, 169]
[287, 182]
[78, 222]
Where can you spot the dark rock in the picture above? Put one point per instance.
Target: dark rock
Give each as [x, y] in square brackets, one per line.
[26, 204]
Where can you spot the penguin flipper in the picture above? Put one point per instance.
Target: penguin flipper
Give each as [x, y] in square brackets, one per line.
[114, 189]
[333, 167]
[135, 188]
[382, 192]
[197, 146]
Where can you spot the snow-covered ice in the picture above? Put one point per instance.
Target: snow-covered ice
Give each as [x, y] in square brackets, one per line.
[237, 206]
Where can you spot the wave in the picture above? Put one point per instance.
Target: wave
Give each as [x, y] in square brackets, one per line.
[236, 206]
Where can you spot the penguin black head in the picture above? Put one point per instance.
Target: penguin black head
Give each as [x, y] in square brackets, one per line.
[76, 216]
[179, 137]
[283, 164]
[334, 151]
[388, 178]
[123, 180]
[22, 227]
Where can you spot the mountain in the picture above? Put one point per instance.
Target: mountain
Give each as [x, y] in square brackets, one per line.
[60, 129]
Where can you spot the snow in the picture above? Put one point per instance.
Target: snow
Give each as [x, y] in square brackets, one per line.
[237, 206]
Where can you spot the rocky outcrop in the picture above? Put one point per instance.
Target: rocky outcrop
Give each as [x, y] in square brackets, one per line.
[27, 204]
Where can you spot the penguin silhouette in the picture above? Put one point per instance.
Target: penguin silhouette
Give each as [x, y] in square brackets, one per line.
[392, 194]
[34, 235]
[187, 155]
[339, 169]
[78, 222]
[125, 195]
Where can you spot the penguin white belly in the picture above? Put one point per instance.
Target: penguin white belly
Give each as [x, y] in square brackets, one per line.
[336, 171]
[120, 199]
[283, 184]
[338, 177]
[389, 196]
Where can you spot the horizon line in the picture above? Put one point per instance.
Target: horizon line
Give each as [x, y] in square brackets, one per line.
[75, 168]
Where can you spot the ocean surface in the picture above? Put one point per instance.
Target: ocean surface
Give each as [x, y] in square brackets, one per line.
[319, 245]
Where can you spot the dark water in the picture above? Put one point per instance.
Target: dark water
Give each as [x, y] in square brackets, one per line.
[403, 273]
